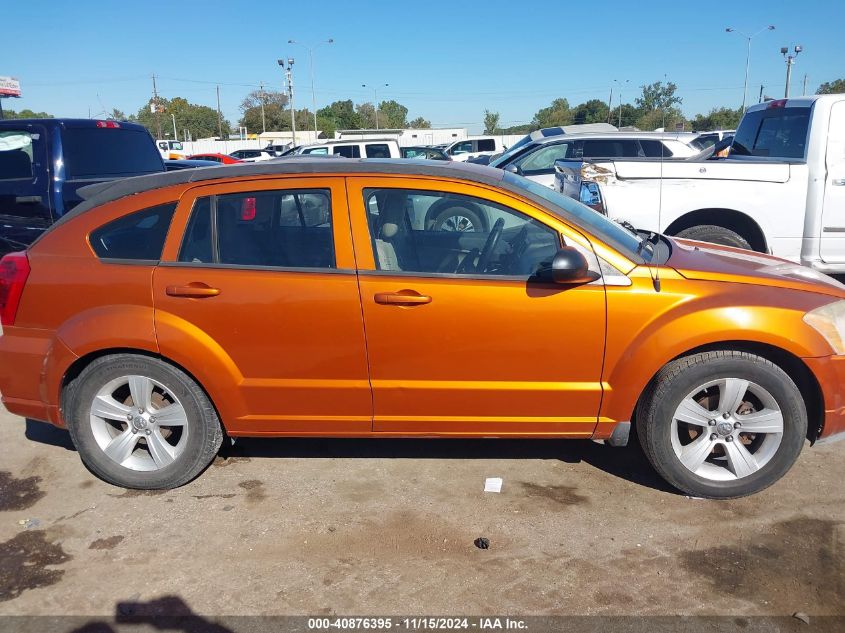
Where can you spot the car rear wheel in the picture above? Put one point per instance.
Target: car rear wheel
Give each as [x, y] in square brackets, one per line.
[715, 235]
[722, 424]
[139, 422]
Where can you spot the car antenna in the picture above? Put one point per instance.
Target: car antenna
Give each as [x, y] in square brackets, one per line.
[656, 279]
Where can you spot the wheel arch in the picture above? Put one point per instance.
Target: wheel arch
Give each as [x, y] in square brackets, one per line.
[736, 221]
[79, 364]
[791, 364]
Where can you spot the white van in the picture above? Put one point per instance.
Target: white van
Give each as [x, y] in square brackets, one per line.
[375, 148]
[171, 150]
[475, 146]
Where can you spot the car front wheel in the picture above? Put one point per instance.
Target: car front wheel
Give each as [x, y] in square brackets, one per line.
[139, 422]
[722, 424]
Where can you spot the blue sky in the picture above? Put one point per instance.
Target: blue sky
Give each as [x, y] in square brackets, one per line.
[446, 61]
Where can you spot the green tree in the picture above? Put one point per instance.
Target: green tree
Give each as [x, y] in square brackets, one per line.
[629, 115]
[658, 96]
[392, 114]
[666, 119]
[831, 87]
[717, 119]
[592, 111]
[340, 115]
[420, 124]
[275, 111]
[491, 122]
[558, 113]
[25, 114]
[199, 120]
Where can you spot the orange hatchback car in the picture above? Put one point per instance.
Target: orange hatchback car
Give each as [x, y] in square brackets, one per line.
[383, 299]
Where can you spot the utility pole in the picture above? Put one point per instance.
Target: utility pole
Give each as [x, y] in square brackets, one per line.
[311, 62]
[790, 59]
[760, 98]
[219, 115]
[620, 84]
[263, 121]
[610, 105]
[288, 70]
[156, 108]
[175, 134]
[804, 89]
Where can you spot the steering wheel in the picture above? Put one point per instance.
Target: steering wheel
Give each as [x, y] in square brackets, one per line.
[490, 246]
[466, 266]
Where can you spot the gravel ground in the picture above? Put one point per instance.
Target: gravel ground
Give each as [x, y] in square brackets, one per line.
[309, 527]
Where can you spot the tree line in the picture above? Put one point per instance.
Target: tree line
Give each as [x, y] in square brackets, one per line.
[657, 106]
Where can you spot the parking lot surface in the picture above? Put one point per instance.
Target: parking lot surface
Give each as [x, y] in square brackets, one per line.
[304, 526]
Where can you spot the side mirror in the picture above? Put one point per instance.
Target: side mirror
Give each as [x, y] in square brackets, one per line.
[569, 266]
[514, 169]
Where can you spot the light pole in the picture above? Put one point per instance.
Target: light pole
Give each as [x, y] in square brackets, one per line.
[311, 63]
[289, 77]
[375, 97]
[790, 59]
[747, 56]
[175, 135]
[620, 84]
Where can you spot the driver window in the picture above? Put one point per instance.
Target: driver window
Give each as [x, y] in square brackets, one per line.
[542, 161]
[431, 232]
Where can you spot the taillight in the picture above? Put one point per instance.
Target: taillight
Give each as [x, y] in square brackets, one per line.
[248, 209]
[590, 195]
[777, 103]
[14, 269]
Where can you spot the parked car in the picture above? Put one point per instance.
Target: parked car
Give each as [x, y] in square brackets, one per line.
[223, 159]
[188, 163]
[171, 150]
[780, 190]
[428, 153]
[43, 162]
[371, 148]
[558, 130]
[252, 155]
[306, 298]
[474, 147]
[536, 159]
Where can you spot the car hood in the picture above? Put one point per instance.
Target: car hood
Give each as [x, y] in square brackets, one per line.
[712, 262]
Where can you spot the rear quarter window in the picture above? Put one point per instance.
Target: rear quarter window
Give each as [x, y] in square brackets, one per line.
[108, 152]
[138, 236]
[16, 155]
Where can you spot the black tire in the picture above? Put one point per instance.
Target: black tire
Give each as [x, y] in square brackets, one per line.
[439, 216]
[677, 379]
[715, 235]
[204, 437]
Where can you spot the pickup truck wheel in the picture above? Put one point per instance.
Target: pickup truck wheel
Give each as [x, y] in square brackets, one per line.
[716, 235]
[139, 422]
[722, 424]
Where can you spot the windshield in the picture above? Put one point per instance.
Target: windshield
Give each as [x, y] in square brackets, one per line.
[615, 235]
[776, 132]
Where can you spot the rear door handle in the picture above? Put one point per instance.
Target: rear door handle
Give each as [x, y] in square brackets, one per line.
[195, 290]
[401, 298]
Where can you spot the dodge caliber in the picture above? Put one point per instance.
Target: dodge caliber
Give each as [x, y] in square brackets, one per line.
[317, 298]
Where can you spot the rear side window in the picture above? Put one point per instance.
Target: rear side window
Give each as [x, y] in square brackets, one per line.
[774, 132]
[283, 229]
[611, 148]
[316, 150]
[349, 151]
[486, 145]
[104, 152]
[655, 149]
[137, 236]
[16, 155]
[378, 150]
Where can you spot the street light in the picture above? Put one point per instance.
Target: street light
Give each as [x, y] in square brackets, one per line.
[375, 96]
[620, 84]
[790, 59]
[747, 56]
[311, 62]
[289, 76]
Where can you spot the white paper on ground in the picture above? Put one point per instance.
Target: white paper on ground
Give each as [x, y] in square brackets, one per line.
[493, 484]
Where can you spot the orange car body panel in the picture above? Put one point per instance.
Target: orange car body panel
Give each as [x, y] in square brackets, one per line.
[292, 352]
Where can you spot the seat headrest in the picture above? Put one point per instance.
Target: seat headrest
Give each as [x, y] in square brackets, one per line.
[389, 230]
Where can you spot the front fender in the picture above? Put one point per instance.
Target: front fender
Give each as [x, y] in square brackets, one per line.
[643, 340]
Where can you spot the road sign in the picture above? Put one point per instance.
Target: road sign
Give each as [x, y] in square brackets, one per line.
[10, 87]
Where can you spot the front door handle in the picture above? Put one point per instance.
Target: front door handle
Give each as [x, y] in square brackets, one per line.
[28, 199]
[838, 181]
[402, 298]
[194, 290]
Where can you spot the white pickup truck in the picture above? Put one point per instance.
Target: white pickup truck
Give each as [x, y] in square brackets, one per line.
[781, 190]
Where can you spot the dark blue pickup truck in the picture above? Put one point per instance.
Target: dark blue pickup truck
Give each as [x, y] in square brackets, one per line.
[44, 161]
